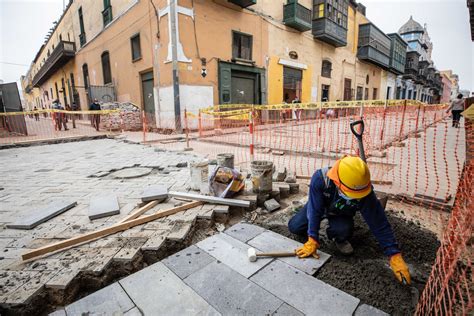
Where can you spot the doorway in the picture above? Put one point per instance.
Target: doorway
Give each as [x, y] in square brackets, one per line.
[243, 88]
[148, 96]
[292, 84]
[347, 89]
[325, 93]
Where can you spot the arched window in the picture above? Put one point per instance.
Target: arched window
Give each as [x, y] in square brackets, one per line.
[106, 72]
[85, 73]
[326, 69]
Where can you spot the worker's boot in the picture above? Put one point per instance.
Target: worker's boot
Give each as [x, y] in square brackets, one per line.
[344, 247]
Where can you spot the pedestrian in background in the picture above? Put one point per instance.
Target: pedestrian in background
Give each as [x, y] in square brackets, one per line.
[95, 106]
[59, 118]
[74, 107]
[456, 107]
[37, 116]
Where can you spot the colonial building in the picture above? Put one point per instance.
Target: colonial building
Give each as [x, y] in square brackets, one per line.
[420, 81]
[447, 86]
[167, 56]
[454, 91]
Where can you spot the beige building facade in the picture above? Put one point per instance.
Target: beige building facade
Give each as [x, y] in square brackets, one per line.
[250, 52]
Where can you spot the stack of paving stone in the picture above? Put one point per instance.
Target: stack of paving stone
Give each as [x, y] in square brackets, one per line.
[129, 114]
[215, 277]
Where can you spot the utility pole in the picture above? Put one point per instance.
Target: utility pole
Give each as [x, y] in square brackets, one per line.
[174, 56]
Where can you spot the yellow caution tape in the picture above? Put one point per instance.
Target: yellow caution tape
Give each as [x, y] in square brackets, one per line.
[59, 111]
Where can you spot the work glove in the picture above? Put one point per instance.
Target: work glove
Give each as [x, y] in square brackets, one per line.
[400, 268]
[308, 249]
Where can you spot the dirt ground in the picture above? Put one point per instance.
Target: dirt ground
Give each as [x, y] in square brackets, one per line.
[366, 274]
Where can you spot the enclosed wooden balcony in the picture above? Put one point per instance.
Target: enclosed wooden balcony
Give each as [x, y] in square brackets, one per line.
[330, 21]
[374, 45]
[297, 16]
[329, 32]
[398, 53]
[63, 53]
[243, 3]
[411, 66]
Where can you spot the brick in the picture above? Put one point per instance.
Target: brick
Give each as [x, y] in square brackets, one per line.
[126, 254]
[155, 192]
[231, 293]
[102, 206]
[187, 261]
[313, 295]
[271, 205]
[62, 279]
[156, 290]
[269, 241]
[244, 232]
[107, 301]
[294, 188]
[233, 253]
[38, 216]
[179, 231]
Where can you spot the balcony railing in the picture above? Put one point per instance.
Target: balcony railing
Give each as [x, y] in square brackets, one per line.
[243, 3]
[374, 45]
[63, 53]
[297, 16]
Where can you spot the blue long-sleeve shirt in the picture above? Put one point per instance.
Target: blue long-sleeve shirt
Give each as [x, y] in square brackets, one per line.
[370, 209]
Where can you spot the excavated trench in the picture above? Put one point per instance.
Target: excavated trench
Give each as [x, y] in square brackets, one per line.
[366, 274]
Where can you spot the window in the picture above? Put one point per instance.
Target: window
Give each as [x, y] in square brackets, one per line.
[85, 74]
[82, 36]
[241, 46]
[359, 93]
[366, 96]
[325, 93]
[107, 13]
[106, 72]
[375, 95]
[57, 90]
[136, 49]
[326, 69]
[334, 10]
[60, 37]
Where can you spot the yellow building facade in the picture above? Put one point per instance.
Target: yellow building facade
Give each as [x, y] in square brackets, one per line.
[226, 52]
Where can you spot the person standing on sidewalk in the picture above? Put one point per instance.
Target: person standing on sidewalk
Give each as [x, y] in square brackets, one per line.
[456, 107]
[37, 116]
[59, 118]
[95, 106]
[74, 107]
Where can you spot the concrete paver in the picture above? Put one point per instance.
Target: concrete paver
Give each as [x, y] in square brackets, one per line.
[41, 215]
[103, 205]
[187, 261]
[230, 293]
[107, 301]
[287, 310]
[156, 290]
[304, 292]
[367, 310]
[244, 232]
[154, 192]
[233, 253]
[269, 241]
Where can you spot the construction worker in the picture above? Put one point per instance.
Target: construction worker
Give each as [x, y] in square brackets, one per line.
[337, 193]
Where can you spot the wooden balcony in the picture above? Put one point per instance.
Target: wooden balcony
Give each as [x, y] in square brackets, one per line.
[297, 16]
[398, 52]
[243, 3]
[63, 53]
[329, 32]
[373, 45]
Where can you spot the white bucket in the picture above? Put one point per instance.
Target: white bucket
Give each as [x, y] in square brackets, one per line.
[199, 173]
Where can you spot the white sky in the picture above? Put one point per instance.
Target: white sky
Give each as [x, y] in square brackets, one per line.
[25, 23]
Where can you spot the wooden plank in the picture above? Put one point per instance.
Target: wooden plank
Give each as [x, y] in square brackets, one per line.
[140, 211]
[210, 199]
[106, 231]
[303, 177]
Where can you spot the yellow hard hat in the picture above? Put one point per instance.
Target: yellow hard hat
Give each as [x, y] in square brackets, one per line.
[352, 176]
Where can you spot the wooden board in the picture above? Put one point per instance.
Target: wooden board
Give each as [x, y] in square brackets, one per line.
[140, 211]
[210, 199]
[105, 231]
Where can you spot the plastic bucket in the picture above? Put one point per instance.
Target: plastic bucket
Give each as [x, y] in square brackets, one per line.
[199, 173]
[261, 176]
[225, 160]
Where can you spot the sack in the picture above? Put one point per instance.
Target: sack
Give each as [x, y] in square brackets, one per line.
[225, 182]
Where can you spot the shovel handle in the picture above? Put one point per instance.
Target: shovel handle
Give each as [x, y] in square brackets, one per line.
[354, 124]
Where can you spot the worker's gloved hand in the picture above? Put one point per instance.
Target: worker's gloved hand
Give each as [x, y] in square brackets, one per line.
[400, 268]
[308, 248]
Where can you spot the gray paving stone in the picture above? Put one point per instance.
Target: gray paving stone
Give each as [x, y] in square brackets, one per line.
[187, 261]
[107, 301]
[368, 310]
[62, 279]
[244, 232]
[38, 216]
[233, 253]
[271, 205]
[269, 241]
[130, 173]
[231, 293]
[155, 192]
[313, 296]
[59, 312]
[287, 310]
[103, 205]
[133, 312]
[156, 290]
